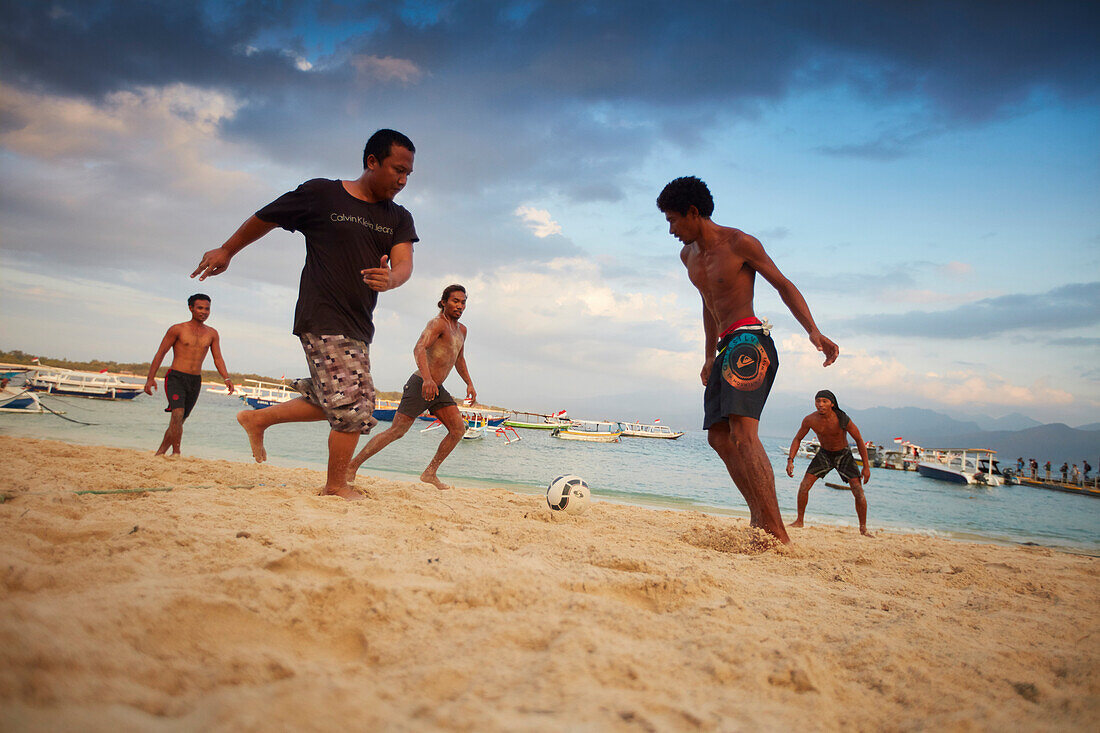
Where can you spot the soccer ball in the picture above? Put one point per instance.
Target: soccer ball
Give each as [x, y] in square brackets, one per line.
[568, 494]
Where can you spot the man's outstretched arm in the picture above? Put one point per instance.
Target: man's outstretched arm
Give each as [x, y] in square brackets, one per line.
[216, 261]
[759, 260]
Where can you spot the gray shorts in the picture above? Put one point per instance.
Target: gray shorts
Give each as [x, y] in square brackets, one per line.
[339, 381]
[412, 398]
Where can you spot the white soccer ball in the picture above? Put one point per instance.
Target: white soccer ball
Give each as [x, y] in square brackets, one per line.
[568, 494]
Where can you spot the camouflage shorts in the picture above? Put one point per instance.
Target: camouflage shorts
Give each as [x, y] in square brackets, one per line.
[339, 382]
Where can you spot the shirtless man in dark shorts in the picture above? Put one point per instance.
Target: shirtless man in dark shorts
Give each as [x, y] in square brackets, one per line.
[359, 243]
[833, 427]
[739, 360]
[189, 343]
[439, 349]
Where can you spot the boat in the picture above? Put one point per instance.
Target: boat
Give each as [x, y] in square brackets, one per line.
[538, 421]
[504, 431]
[258, 395]
[19, 400]
[385, 410]
[591, 431]
[873, 454]
[969, 466]
[807, 448]
[98, 385]
[475, 427]
[644, 430]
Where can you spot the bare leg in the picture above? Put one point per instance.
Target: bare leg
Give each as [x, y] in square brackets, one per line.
[341, 447]
[255, 422]
[456, 428]
[173, 434]
[738, 445]
[804, 497]
[861, 505]
[401, 425]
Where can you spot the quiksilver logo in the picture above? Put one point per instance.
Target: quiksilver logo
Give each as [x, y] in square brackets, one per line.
[361, 221]
[743, 361]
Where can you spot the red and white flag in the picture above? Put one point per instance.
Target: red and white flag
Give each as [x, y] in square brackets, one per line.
[899, 440]
[656, 419]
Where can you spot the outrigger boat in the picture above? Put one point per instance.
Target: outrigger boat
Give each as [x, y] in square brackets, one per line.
[19, 400]
[970, 466]
[475, 427]
[98, 385]
[644, 430]
[257, 394]
[538, 421]
[591, 431]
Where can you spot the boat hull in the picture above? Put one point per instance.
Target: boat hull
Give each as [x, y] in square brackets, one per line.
[113, 393]
[586, 437]
[941, 474]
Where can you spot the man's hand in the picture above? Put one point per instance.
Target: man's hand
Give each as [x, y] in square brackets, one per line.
[790, 467]
[430, 390]
[150, 385]
[229, 384]
[214, 262]
[708, 365]
[866, 474]
[379, 278]
[827, 347]
[471, 394]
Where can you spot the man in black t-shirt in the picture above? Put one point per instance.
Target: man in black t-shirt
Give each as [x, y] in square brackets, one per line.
[358, 243]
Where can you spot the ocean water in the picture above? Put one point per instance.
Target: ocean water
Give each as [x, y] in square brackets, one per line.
[679, 474]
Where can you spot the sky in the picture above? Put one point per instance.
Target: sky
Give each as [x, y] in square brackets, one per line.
[926, 173]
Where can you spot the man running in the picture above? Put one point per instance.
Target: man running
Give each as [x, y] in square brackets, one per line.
[833, 427]
[739, 359]
[189, 342]
[358, 243]
[439, 349]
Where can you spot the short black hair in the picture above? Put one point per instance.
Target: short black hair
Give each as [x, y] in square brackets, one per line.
[685, 192]
[382, 142]
[447, 293]
[197, 296]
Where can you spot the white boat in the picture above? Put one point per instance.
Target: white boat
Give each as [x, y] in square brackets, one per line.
[646, 430]
[99, 385]
[591, 431]
[538, 421]
[19, 400]
[808, 448]
[475, 427]
[970, 466]
[257, 394]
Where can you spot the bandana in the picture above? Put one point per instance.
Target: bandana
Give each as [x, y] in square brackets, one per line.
[840, 414]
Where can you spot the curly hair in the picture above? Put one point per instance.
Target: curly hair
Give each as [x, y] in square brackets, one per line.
[685, 192]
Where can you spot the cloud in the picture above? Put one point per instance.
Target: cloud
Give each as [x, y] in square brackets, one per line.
[538, 221]
[1065, 307]
[374, 68]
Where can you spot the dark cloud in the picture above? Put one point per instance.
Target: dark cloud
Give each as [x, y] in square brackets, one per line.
[1066, 307]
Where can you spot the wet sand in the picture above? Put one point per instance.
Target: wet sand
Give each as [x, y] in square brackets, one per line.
[240, 600]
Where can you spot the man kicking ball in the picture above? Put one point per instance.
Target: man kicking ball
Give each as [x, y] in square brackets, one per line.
[833, 427]
[438, 350]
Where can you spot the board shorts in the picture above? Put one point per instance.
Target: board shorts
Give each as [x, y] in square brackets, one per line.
[741, 377]
[182, 390]
[412, 398]
[826, 460]
[340, 382]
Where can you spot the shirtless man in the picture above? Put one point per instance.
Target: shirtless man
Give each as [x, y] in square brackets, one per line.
[189, 343]
[833, 427]
[437, 351]
[739, 359]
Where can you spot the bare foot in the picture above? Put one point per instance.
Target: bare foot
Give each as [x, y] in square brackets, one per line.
[863, 531]
[795, 523]
[434, 481]
[255, 435]
[344, 492]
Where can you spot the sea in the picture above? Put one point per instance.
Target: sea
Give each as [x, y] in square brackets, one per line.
[682, 474]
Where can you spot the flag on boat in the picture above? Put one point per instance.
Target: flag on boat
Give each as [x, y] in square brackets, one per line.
[656, 419]
[899, 440]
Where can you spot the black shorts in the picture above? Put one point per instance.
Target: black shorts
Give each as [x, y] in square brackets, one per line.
[182, 390]
[413, 402]
[742, 376]
[827, 460]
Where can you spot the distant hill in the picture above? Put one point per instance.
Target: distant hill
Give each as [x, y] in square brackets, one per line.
[1055, 442]
[1015, 421]
[883, 424]
[1090, 426]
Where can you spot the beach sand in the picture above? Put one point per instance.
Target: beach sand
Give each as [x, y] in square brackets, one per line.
[240, 600]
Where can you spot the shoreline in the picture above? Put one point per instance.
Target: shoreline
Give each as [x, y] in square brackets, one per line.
[235, 597]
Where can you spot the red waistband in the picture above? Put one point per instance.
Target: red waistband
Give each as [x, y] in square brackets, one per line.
[750, 321]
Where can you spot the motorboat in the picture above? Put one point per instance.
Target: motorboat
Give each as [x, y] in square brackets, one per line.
[591, 431]
[969, 466]
[98, 385]
[644, 430]
[385, 410]
[538, 421]
[258, 394]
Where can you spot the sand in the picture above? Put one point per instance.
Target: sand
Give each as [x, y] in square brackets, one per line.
[240, 600]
